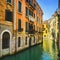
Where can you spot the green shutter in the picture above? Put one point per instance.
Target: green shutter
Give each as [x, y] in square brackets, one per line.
[19, 25]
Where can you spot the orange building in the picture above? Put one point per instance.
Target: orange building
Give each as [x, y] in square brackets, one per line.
[6, 27]
[20, 24]
[28, 23]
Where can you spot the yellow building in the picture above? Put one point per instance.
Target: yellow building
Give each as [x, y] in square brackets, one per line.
[45, 30]
[53, 22]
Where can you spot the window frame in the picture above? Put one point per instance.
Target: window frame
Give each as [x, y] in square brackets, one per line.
[27, 11]
[7, 18]
[25, 40]
[19, 25]
[19, 41]
[9, 2]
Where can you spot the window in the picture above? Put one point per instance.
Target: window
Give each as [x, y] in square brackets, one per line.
[30, 13]
[19, 6]
[43, 29]
[34, 28]
[27, 11]
[27, 26]
[43, 26]
[39, 29]
[46, 31]
[19, 41]
[26, 0]
[31, 3]
[34, 6]
[41, 21]
[37, 19]
[19, 25]
[44, 35]
[34, 40]
[30, 28]
[26, 41]
[9, 1]
[34, 15]
[8, 15]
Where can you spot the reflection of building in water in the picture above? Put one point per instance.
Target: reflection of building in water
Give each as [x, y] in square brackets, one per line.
[54, 23]
[49, 48]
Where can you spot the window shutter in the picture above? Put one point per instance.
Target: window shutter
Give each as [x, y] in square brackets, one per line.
[19, 25]
[8, 15]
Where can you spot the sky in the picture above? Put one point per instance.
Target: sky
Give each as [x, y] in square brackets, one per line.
[48, 7]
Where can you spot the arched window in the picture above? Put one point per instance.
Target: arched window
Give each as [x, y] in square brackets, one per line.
[19, 41]
[26, 41]
[34, 40]
[30, 40]
[5, 40]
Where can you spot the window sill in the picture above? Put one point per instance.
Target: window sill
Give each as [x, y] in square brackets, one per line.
[20, 13]
[19, 32]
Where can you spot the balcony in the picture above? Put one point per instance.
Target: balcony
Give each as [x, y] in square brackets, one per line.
[43, 29]
[20, 30]
[31, 18]
[30, 2]
[40, 32]
[31, 32]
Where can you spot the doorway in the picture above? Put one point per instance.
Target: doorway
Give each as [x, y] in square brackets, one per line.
[5, 40]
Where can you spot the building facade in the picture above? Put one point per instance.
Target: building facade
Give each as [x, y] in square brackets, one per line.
[6, 27]
[20, 25]
[53, 22]
[45, 30]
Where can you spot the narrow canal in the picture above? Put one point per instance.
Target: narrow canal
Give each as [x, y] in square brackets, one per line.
[46, 51]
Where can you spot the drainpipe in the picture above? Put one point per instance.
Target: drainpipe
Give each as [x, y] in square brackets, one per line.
[15, 32]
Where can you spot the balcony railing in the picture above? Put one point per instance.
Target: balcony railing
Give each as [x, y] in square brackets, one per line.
[30, 2]
[30, 31]
[31, 18]
[34, 31]
[20, 30]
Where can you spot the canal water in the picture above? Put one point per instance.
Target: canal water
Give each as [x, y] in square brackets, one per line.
[46, 51]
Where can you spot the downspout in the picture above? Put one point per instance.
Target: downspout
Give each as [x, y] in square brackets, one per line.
[15, 33]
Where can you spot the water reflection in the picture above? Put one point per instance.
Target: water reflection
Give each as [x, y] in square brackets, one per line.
[47, 51]
[50, 47]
